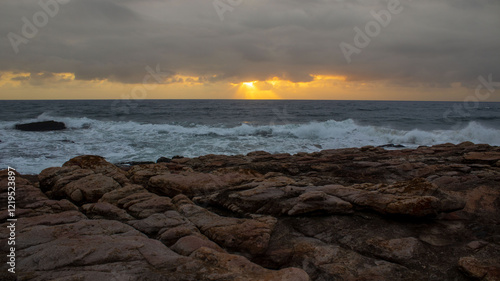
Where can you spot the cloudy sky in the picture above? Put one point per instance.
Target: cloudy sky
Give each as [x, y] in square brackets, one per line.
[289, 49]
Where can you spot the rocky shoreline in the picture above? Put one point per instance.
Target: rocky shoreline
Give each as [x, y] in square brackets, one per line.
[431, 213]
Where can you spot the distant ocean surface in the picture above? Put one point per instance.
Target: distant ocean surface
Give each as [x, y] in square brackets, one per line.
[144, 130]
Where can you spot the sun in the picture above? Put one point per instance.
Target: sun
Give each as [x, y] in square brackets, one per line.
[252, 90]
[249, 84]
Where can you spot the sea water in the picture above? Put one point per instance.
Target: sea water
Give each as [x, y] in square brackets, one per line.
[144, 130]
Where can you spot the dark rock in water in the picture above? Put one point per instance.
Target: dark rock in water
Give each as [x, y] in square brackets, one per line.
[133, 163]
[163, 160]
[392, 145]
[177, 157]
[41, 126]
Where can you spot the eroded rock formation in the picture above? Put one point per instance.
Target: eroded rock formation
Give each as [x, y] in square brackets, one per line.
[431, 213]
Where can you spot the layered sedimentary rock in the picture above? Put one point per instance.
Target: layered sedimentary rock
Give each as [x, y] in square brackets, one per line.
[431, 213]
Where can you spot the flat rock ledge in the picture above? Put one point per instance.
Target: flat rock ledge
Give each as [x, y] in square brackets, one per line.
[431, 213]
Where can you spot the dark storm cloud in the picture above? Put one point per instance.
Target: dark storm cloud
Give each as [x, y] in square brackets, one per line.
[40, 79]
[429, 43]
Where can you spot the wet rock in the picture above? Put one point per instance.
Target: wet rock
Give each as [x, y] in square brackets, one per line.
[406, 198]
[89, 242]
[436, 240]
[140, 174]
[477, 244]
[391, 145]
[163, 160]
[117, 196]
[483, 263]
[152, 224]
[288, 200]
[58, 177]
[193, 183]
[248, 235]
[102, 210]
[41, 126]
[322, 261]
[52, 219]
[480, 269]
[396, 249]
[482, 202]
[188, 244]
[489, 157]
[239, 268]
[430, 213]
[319, 202]
[146, 206]
[133, 163]
[87, 189]
[98, 165]
[171, 235]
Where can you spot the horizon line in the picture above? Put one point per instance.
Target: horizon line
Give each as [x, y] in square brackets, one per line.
[381, 100]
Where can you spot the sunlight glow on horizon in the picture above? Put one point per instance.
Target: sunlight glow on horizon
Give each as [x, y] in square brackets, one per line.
[51, 86]
[251, 91]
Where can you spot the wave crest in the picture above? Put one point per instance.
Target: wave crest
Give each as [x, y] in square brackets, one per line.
[121, 141]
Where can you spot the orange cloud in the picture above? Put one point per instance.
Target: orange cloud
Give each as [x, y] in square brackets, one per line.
[17, 85]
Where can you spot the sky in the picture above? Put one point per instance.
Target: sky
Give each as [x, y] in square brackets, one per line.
[250, 49]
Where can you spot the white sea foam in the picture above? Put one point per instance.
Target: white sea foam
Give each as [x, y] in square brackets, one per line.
[30, 152]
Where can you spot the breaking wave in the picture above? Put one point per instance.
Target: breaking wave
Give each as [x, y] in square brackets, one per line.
[132, 141]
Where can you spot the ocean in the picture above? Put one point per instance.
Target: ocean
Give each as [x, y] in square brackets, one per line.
[144, 130]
